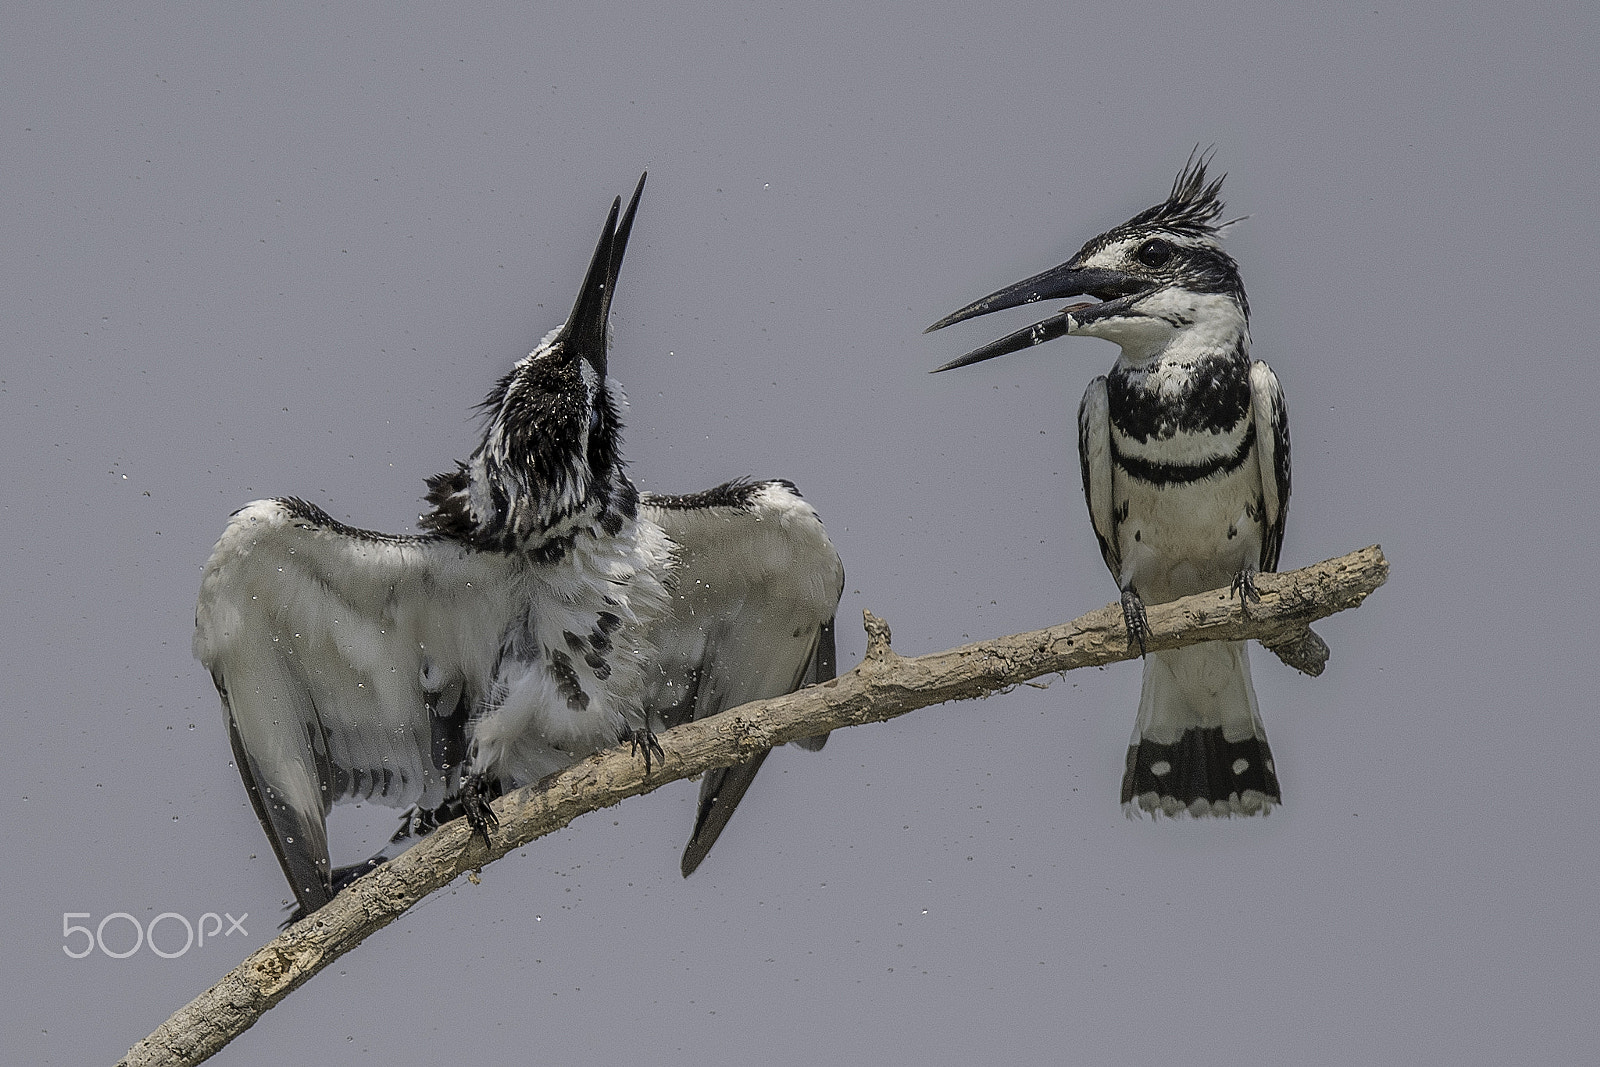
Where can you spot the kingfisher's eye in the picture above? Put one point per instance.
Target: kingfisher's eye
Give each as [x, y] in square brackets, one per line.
[1153, 252]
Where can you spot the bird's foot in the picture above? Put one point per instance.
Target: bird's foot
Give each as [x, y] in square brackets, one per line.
[476, 792]
[1244, 587]
[644, 741]
[1133, 618]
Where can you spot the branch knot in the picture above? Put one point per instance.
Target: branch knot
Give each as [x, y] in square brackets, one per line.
[878, 650]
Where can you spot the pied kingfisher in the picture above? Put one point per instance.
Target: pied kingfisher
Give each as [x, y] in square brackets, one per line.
[548, 610]
[1184, 449]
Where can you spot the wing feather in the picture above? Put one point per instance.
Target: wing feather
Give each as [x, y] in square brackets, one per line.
[756, 586]
[1094, 457]
[1271, 416]
[333, 648]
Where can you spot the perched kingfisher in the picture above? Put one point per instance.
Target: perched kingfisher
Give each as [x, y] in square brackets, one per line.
[1184, 448]
[541, 615]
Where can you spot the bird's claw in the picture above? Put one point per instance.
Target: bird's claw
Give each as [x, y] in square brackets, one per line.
[643, 741]
[1134, 619]
[1244, 587]
[475, 797]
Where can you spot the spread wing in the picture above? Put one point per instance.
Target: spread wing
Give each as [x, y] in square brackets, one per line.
[756, 587]
[346, 662]
[1271, 416]
[1094, 457]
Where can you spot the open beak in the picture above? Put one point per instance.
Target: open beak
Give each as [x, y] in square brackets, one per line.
[585, 328]
[1114, 289]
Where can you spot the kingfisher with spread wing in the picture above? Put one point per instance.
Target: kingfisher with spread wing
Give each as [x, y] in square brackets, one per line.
[523, 629]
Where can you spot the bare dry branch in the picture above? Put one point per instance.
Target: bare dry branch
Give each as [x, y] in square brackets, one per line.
[883, 686]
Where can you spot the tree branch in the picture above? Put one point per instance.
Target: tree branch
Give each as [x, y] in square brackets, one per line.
[883, 686]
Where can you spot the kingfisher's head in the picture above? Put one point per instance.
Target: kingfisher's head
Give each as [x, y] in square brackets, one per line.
[1162, 272]
[550, 460]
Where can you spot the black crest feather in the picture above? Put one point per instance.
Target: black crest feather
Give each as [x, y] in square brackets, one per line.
[1193, 205]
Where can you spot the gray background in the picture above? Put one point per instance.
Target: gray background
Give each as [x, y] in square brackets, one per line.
[284, 249]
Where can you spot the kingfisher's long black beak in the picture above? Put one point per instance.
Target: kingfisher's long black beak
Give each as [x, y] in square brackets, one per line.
[585, 328]
[1113, 288]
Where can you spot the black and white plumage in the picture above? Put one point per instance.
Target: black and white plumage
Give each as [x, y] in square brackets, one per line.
[1184, 448]
[754, 592]
[512, 637]
[754, 586]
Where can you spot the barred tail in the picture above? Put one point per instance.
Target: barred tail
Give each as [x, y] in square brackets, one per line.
[1198, 746]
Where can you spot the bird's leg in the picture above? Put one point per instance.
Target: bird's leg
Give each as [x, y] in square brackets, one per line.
[643, 741]
[1133, 617]
[1244, 587]
[476, 792]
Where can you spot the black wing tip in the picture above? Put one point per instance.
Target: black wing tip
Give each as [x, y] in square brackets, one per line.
[693, 855]
[720, 793]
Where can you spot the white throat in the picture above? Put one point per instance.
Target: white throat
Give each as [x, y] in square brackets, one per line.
[1175, 323]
